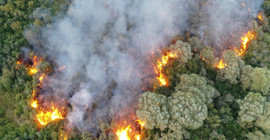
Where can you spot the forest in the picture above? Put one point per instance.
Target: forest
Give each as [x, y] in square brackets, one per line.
[194, 91]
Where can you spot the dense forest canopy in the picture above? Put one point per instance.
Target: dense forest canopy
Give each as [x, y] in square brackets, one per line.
[116, 70]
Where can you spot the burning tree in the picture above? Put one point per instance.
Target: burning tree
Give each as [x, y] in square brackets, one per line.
[180, 51]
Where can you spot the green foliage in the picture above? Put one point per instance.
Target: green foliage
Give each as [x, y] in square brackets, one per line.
[224, 87]
[2, 113]
[10, 130]
[256, 79]
[153, 109]
[16, 118]
[257, 54]
[254, 111]
[188, 103]
[221, 121]
[257, 135]
[266, 7]
[192, 66]
[187, 109]
[231, 72]
[16, 16]
[196, 85]
[163, 91]
[6, 80]
[232, 130]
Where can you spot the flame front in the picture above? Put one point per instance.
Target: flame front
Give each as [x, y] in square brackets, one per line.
[44, 117]
[245, 39]
[48, 111]
[159, 67]
[46, 114]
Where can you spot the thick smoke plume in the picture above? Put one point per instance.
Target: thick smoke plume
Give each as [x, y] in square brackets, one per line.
[104, 43]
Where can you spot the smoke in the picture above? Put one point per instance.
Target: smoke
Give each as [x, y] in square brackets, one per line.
[104, 43]
[222, 22]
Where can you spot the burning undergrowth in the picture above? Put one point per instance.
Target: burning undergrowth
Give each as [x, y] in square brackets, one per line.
[110, 53]
[48, 107]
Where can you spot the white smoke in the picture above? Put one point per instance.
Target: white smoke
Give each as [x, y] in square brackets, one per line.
[103, 43]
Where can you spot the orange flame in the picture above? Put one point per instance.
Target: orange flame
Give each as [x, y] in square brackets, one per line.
[159, 67]
[123, 133]
[34, 104]
[33, 69]
[41, 78]
[44, 117]
[18, 63]
[138, 137]
[245, 39]
[46, 113]
[244, 4]
[141, 123]
[260, 17]
[63, 135]
[221, 65]
[131, 131]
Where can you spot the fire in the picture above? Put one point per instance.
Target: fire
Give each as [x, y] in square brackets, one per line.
[48, 111]
[34, 104]
[221, 65]
[260, 17]
[141, 123]
[33, 71]
[18, 63]
[41, 77]
[245, 39]
[244, 4]
[33, 68]
[159, 67]
[44, 117]
[138, 137]
[123, 133]
[132, 131]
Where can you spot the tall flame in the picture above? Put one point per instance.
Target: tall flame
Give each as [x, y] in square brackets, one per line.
[159, 67]
[33, 69]
[245, 39]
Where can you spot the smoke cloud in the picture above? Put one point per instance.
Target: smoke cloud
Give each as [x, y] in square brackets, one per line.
[104, 43]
